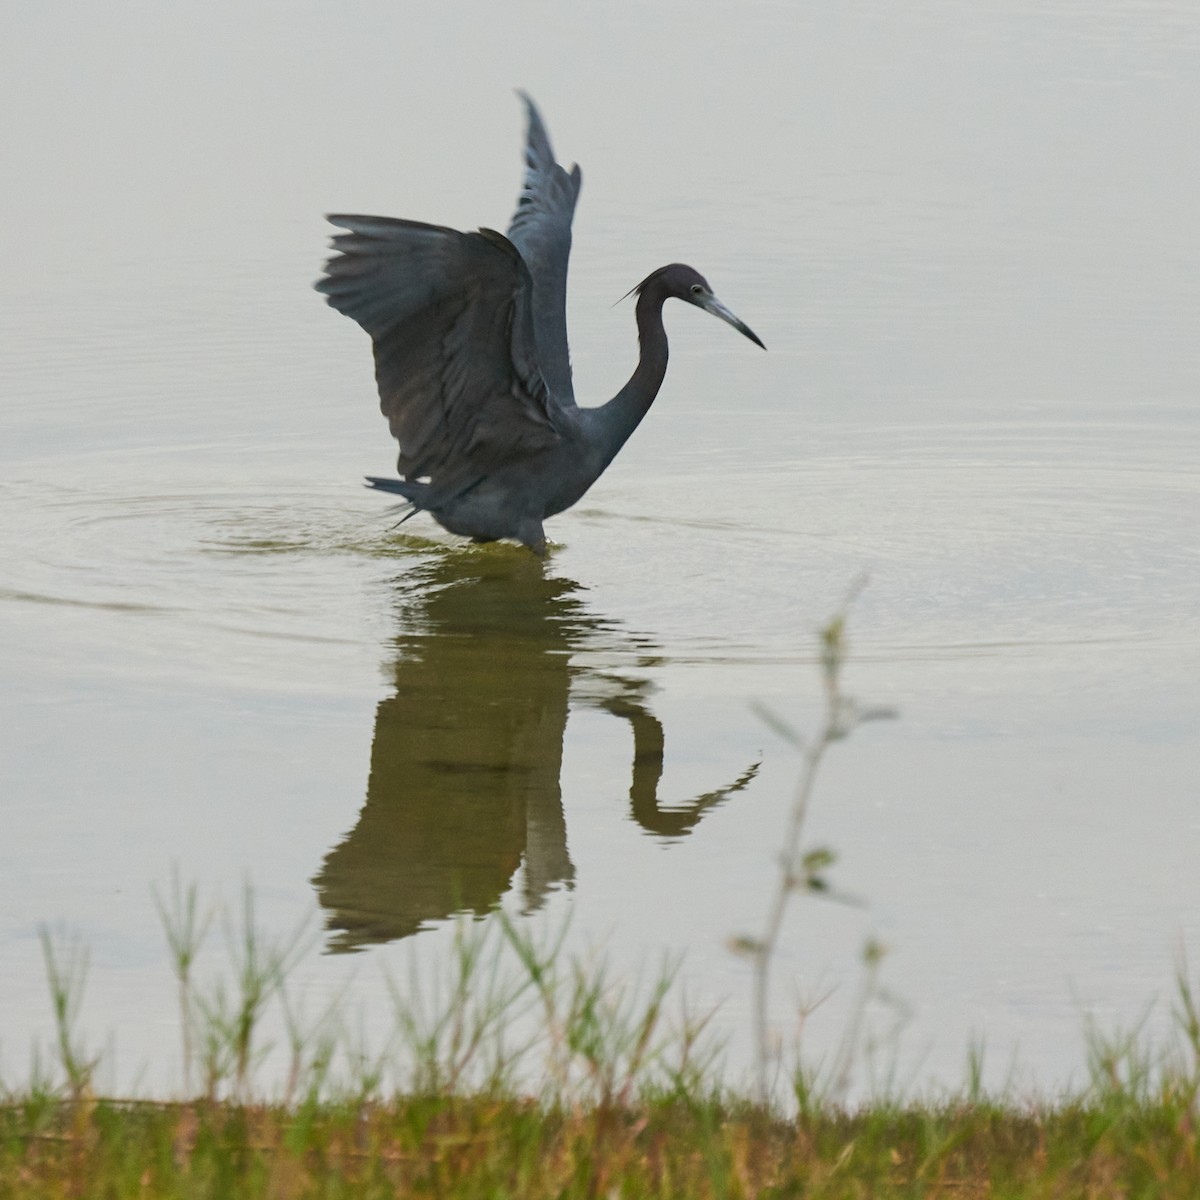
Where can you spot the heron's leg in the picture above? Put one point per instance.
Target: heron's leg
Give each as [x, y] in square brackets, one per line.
[533, 535]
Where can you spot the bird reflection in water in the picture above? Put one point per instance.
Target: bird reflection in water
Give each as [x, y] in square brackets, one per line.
[464, 785]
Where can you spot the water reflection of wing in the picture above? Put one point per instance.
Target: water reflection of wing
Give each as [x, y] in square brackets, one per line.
[465, 764]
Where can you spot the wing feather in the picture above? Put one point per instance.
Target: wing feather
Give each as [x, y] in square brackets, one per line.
[541, 231]
[456, 360]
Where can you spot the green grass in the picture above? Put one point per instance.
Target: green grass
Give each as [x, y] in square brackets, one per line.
[468, 1146]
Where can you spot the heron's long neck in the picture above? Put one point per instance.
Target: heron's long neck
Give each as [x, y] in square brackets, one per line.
[617, 419]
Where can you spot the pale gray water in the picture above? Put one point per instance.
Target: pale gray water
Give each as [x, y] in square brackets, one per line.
[970, 241]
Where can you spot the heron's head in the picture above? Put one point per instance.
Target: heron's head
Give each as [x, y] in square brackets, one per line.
[686, 283]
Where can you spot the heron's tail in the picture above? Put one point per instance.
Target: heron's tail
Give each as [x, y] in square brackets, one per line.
[412, 492]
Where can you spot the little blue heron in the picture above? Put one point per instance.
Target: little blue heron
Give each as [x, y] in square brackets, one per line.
[470, 338]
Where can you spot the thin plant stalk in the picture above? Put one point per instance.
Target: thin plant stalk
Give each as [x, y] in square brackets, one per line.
[185, 932]
[228, 1020]
[800, 870]
[66, 974]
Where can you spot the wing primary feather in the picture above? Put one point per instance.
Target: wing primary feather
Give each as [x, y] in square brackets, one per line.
[541, 231]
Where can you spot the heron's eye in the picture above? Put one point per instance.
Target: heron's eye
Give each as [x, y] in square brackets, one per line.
[697, 290]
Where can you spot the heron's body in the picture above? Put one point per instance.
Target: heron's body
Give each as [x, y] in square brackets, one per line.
[471, 358]
[513, 499]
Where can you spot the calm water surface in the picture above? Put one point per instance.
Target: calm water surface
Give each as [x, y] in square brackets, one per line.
[970, 242]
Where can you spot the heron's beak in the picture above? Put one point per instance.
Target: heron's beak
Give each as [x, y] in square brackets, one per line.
[711, 304]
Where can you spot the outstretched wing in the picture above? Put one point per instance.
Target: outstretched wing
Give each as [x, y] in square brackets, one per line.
[455, 356]
[541, 231]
